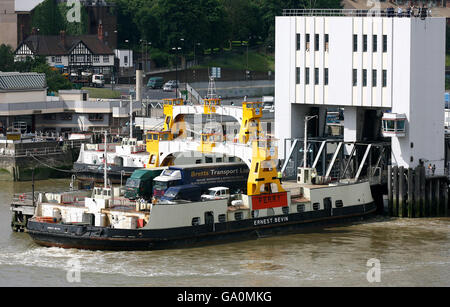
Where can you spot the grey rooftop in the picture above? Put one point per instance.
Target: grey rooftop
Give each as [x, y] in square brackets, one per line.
[22, 81]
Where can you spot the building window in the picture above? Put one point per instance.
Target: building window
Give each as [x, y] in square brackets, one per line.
[355, 77]
[300, 208]
[106, 59]
[325, 76]
[56, 59]
[364, 77]
[307, 42]
[222, 218]
[374, 77]
[316, 206]
[384, 43]
[384, 77]
[80, 58]
[316, 76]
[355, 42]
[374, 43]
[95, 117]
[316, 42]
[307, 75]
[339, 204]
[66, 116]
[298, 41]
[297, 75]
[238, 216]
[50, 117]
[326, 42]
[364, 43]
[96, 59]
[195, 221]
[285, 210]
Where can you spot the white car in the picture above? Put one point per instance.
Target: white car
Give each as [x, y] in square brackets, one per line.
[216, 193]
[170, 86]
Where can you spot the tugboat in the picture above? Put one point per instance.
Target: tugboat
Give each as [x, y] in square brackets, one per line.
[106, 221]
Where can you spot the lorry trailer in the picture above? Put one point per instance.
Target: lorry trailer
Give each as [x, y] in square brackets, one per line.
[231, 175]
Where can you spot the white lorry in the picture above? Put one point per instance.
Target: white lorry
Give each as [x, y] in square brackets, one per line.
[88, 79]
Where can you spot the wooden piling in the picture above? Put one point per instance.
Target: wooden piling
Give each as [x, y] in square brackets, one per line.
[422, 189]
[410, 196]
[429, 196]
[446, 199]
[417, 192]
[389, 186]
[401, 190]
[395, 191]
[437, 186]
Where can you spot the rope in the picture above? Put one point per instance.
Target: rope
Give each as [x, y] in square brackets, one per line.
[54, 168]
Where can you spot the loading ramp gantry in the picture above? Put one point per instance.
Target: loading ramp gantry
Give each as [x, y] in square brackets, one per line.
[248, 116]
[259, 152]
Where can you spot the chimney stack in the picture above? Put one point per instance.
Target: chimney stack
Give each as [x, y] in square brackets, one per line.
[62, 37]
[100, 31]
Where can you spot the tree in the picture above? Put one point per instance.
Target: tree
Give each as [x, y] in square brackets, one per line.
[55, 81]
[51, 18]
[73, 27]
[6, 58]
[47, 18]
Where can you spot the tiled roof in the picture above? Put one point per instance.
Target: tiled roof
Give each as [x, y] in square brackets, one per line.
[19, 81]
[48, 45]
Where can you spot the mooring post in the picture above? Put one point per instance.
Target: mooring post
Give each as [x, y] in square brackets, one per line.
[32, 187]
[395, 190]
[429, 198]
[446, 199]
[401, 190]
[389, 184]
[422, 190]
[410, 192]
[417, 192]
[438, 197]
[437, 187]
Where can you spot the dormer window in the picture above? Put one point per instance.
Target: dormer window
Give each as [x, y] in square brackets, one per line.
[394, 124]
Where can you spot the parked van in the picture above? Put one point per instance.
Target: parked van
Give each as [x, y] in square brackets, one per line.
[187, 192]
[155, 82]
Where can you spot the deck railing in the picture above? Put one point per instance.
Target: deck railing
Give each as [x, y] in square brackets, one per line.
[356, 13]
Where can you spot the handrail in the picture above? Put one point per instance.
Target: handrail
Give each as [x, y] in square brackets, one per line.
[350, 12]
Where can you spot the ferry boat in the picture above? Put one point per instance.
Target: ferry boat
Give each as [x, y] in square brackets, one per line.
[106, 221]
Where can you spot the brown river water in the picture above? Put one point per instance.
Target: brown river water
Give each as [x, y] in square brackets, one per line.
[408, 252]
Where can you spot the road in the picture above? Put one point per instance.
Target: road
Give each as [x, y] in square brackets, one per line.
[147, 94]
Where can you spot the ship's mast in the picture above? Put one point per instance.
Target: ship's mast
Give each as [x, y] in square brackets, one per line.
[105, 174]
[131, 116]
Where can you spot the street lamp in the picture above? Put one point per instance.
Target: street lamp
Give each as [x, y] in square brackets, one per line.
[185, 65]
[129, 60]
[176, 69]
[145, 43]
[305, 141]
[196, 44]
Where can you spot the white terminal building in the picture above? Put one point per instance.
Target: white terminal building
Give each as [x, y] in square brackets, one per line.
[372, 66]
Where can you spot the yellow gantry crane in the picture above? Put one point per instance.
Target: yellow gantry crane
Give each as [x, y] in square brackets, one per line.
[251, 124]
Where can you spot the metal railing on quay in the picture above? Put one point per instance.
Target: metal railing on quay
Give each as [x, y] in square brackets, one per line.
[357, 13]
